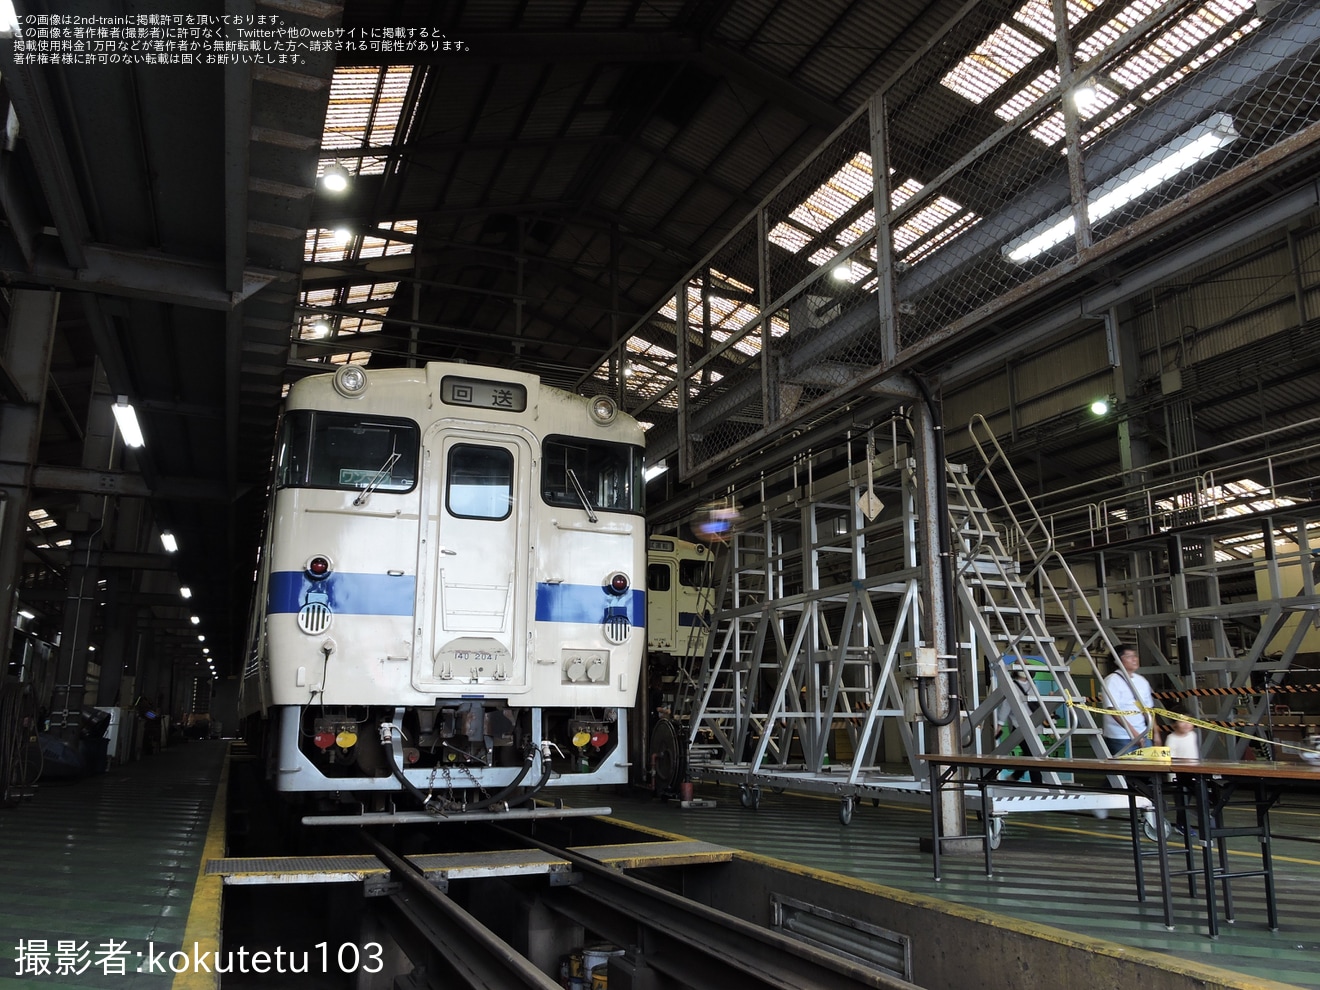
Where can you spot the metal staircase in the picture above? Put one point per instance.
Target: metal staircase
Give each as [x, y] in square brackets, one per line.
[1022, 607]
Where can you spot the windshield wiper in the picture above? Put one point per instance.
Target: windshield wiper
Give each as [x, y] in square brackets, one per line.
[379, 476]
[581, 494]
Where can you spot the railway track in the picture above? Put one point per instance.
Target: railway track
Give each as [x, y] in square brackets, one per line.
[672, 940]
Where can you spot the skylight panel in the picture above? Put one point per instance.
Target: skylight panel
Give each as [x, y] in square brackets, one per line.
[375, 246]
[837, 195]
[903, 193]
[789, 237]
[942, 237]
[370, 291]
[859, 228]
[1000, 57]
[364, 323]
[649, 349]
[1039, 14]
[321, 244]
[935, 214]
[749, 345]
[718, 276]
[1154, 60]
[1019, 102]
[822, 255]
[1233, 498]
[348, 115]
[728, 317]
[389, 104]
[1050, 130]
[1182, 38]
[364, 110]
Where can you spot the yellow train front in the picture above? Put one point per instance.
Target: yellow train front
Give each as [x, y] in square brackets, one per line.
[451, 600]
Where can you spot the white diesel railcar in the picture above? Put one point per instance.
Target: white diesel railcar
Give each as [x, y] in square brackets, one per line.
[450, 599]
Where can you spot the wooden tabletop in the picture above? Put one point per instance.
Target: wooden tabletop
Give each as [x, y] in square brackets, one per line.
[1256, 769]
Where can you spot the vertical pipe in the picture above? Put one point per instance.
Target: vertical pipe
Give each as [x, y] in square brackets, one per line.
[932, 539]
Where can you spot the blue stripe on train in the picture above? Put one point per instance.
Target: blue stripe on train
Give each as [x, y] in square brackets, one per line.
[347, 594]
[586, 603]
[384, 594]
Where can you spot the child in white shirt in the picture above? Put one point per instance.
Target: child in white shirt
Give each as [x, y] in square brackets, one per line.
[1183, 745]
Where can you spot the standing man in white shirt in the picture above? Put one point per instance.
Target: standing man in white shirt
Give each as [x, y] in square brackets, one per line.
[1131, 694]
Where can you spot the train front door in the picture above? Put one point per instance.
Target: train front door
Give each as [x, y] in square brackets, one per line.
[475, 545]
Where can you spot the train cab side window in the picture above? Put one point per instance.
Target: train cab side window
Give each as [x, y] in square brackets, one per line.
[696, 573]
[657, 577]
[295, 441]
[347, 452]
[479, 482]
[609, 474]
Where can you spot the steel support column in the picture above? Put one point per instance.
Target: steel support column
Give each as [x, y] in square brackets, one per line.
[82, 596]
[25, 358]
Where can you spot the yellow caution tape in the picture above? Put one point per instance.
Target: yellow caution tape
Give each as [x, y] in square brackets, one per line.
[1151, 754]
[1308, 751]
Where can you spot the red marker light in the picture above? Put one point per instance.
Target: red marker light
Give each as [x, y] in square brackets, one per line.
[318, 567]
[599, 739]
[619, 583]
[324, 740]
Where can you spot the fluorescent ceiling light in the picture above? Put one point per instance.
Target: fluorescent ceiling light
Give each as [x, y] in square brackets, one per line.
[26, 614]
[128, 423]
[1173, 159]
[168, 541]
[195, 620]
[185, 592]
[655, 470]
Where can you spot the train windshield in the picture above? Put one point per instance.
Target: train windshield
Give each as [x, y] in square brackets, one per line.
[347, 451]
[608, 476]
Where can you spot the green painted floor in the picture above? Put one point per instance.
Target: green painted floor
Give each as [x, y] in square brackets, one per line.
[1068, 870]
[113, 859]
[102, 869]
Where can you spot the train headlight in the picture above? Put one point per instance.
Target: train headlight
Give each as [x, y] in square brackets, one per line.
[617, 584]
[603, 409]
[319, 568]
[350, 381]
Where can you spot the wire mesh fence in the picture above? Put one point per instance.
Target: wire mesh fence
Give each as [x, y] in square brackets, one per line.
[1025, 140]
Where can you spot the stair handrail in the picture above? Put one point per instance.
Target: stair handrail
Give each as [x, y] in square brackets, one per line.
[989, 461]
